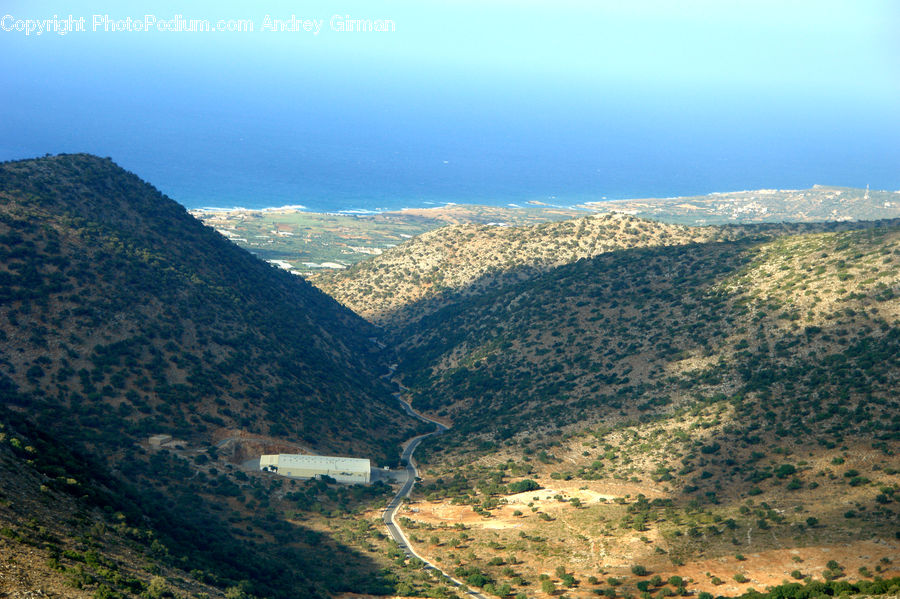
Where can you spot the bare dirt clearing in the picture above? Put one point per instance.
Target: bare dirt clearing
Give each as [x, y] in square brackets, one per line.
[576, 525]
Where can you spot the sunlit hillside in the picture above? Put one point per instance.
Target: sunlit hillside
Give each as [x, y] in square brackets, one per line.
[421, 275]
[744, 389]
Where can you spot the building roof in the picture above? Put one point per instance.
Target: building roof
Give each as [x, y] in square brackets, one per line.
[323, 462]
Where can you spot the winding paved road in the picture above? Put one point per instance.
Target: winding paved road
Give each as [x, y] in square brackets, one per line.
[390, 512]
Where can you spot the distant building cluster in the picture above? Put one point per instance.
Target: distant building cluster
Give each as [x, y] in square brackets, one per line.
[343, 470]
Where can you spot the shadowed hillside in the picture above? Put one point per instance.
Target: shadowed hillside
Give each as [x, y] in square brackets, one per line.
[664, 324]
[123, 317]
[732, 398]
[115, 298]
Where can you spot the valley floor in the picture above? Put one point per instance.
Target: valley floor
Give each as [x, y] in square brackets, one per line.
[568, 540]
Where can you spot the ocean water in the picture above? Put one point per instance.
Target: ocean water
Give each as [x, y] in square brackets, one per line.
[367, 125]
[362, 156]
[205, 164]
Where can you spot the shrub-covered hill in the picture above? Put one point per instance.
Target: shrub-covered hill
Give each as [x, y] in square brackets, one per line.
[801, 328]
[424, 274]
[437, 268]
[719, 413]
[70, 526]
[127, 315]
[123, 317]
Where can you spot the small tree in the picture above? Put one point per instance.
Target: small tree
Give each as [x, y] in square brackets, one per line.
[158, 588]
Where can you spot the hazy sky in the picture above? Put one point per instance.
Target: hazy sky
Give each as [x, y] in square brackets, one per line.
[506, 85]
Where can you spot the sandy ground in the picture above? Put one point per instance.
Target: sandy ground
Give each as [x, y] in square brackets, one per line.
[615, 556]
[444, 513]
[545, 499]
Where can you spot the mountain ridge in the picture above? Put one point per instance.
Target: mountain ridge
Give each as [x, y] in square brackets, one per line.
[629, 399]
[122, 317]
[697, 412]
[126, 237]
[468, 259]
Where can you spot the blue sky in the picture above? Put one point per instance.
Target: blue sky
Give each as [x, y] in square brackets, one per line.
[502, 92]
[734, 45]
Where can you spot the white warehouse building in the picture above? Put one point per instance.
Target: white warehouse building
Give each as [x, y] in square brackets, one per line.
[343, 470]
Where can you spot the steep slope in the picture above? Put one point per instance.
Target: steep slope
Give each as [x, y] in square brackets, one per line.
[123, 317]
[113, 296]
[725, 413]
[417, 277]
[664, 323]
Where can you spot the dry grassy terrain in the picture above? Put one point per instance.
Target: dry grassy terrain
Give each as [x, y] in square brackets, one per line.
[609, 502]
[638, 409]
[744, 389]
[419, 276]
[817, 204]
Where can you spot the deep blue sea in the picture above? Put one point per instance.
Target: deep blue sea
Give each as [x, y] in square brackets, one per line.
[493, 103]
[361, 156]
[205, 163]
